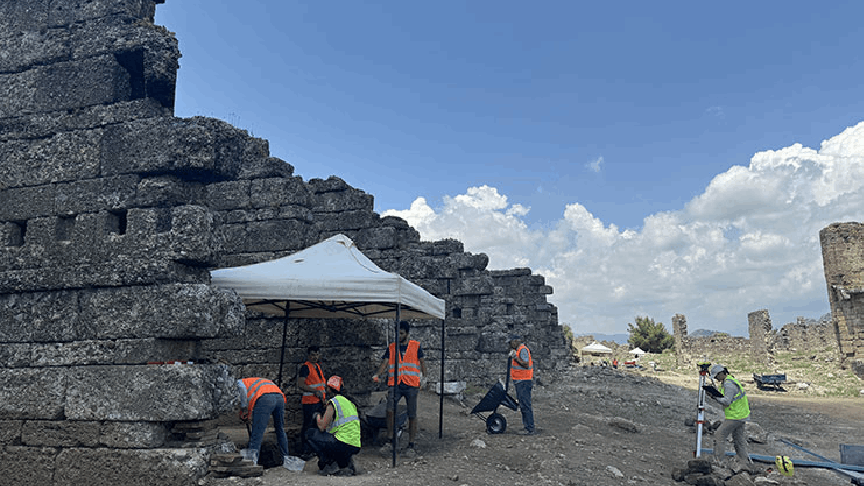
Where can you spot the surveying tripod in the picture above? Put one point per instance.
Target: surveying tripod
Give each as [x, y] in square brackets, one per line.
[700, 406]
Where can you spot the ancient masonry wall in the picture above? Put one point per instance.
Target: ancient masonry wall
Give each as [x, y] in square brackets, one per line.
[761, 345]
[843, 261]
[112, 214]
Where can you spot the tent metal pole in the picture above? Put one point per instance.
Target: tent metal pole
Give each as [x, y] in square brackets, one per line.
[397, 356]
[284, 337]
[441, 395]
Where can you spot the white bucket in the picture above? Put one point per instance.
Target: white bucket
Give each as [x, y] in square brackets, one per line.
[293, 463]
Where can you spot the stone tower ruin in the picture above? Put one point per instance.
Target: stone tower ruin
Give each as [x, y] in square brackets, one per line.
[843, 260]
[116, 353]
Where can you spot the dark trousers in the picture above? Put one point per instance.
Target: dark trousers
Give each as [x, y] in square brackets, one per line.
[329, 448]
[309, 409]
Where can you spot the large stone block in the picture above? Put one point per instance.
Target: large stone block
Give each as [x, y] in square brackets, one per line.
[174, 311]
[276, 235]
[65, 85]
[117, 351]
[66, 12]
[60, 433]
[49, 124]
[35, 393]
[194, 148]
[27, 466]
[96, 194]
[132, 467]
[18, 16]
[10, 432]
[149, 393]
[279, 192]
[28, 202]
[228, 195]
[133, 435]
[39, 317]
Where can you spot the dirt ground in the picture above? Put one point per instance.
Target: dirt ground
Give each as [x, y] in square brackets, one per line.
[598, 427]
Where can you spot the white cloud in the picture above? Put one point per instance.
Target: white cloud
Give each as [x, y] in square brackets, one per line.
[748, 241]
[595, 165]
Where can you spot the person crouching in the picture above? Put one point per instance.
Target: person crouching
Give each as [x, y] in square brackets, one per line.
[337, 437]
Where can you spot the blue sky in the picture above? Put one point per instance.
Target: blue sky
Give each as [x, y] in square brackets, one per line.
[647, 159]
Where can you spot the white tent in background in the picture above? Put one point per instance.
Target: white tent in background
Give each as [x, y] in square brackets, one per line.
[595, 349]
[637, 352]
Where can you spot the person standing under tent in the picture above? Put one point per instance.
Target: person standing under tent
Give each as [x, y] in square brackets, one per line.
[412, 376]
[310, 380]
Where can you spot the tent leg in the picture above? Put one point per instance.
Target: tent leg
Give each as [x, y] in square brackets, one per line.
[284, 337]
[397, 355]
[441, 395]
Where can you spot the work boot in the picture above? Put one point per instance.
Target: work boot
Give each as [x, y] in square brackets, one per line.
[329, 469]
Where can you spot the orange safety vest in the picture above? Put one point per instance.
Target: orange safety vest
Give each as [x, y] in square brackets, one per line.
[409, 365]
[519, 372]
[316, 381]
[255, 387]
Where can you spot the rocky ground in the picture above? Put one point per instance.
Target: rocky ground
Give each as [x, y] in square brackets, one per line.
[600, 427]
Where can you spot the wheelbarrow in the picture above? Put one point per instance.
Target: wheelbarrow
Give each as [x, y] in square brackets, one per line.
[495, 397]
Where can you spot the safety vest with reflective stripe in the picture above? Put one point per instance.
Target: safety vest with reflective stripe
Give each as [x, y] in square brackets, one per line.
[409, 365]
[519, 372]
[346, 424]
[740, 407]
[314, 380]
[255, 387]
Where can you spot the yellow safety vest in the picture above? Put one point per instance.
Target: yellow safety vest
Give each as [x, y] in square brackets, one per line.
[740, 407]
[346, 423]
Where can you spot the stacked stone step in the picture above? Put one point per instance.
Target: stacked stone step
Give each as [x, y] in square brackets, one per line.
[225, 465]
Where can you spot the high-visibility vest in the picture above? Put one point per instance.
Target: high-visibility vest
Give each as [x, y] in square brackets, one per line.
[519, 372]
[346, 423]
[740, 407]
[316, 381]
[255, 387]
[409, 365]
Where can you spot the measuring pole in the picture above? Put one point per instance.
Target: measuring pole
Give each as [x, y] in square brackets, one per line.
[700, 406]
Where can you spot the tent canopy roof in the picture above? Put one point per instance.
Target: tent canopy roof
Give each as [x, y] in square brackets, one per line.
[331, 279]
[637, 351]
[596, 347]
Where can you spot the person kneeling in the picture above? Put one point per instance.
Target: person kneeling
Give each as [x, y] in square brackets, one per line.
[337, 437]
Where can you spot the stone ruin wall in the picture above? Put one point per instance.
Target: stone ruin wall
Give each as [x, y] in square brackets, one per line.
[112, 214]
[761, 344]
[843, 261]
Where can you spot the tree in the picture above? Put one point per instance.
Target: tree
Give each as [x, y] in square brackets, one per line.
[650, 336]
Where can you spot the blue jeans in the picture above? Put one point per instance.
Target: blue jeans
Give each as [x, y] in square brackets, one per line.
[268, 404]
[523, 396]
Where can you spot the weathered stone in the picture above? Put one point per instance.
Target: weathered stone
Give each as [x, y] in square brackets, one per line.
[28, 466]
[127, 393]
[32, 393]
[134, 435]
[117, 351]
[10, 432]
[67, 433]
[131, 467]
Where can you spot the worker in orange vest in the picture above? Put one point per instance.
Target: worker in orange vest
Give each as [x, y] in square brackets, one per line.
[261, 398]
[412, 376]
[522, 374]
[310, 380]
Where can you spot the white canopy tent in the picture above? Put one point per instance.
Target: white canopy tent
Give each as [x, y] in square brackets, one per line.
[637, 351]
[331, 280]
[595, 349]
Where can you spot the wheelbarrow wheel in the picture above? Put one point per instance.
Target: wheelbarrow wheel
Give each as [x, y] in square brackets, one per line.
[496, 424]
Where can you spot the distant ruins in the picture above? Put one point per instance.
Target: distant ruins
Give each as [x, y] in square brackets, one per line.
[843, 261]
[112, 214]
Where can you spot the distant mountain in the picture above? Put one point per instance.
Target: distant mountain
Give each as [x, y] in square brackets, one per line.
[616, 338]
[702, 333]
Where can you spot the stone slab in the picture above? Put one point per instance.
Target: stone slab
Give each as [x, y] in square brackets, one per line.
[34, 393]
[150, 393]
[131, 467]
